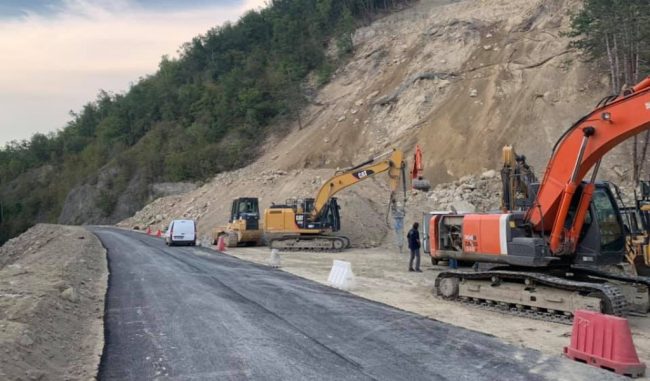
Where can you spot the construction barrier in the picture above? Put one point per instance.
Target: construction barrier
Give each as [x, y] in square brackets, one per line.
[158, 233]
[341, 275]
[148, 230]
[274, 258]
[604, 341]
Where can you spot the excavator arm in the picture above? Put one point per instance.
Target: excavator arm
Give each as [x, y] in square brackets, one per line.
[579, 150]
[391, 162]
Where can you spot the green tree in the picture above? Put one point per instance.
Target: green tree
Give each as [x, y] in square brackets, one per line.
[616, 31]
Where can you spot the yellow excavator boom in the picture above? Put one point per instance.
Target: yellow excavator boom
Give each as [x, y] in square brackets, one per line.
[394, 164]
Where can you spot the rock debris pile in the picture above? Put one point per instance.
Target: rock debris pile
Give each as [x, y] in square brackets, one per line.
[364, 207]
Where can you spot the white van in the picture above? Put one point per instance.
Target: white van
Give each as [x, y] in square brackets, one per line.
[181, 232]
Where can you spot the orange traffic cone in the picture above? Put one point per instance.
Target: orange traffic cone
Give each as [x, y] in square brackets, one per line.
[221, 244]
[158, 233]
[148, 230]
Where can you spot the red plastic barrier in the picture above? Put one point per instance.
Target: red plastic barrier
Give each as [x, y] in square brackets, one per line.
[148, 230]
[221, 244]
[158, 233]
[604, 341]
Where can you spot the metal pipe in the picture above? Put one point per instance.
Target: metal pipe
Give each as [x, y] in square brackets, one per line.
[588, 132]
[595, 171]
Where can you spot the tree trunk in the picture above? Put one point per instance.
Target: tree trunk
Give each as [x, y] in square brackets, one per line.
[644, 152]
[617, 66]
[612, 69]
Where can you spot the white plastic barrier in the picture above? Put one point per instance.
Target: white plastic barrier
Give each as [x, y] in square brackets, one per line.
[274, 259]
[341, 275]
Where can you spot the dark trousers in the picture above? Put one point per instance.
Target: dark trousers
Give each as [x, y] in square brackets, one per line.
[415, 254]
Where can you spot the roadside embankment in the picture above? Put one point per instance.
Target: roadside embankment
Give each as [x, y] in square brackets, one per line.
[53, 283]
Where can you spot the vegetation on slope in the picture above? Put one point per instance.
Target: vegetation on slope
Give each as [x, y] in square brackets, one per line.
[205, 112]
[615, 31]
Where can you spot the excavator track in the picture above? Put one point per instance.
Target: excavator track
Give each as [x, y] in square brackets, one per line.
[541, 296]
[637, 291]
[314, 243]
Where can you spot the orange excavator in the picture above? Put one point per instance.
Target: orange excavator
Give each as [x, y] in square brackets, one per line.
[555, 249]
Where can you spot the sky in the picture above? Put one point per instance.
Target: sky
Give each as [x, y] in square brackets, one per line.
[56, 55]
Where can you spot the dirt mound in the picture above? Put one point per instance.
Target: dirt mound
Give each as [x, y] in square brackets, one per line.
[52, 286]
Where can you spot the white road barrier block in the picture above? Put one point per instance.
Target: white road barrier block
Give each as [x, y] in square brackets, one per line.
[341, 275]
[274, 259]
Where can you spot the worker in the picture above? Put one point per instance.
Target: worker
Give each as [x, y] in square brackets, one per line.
[413, 238]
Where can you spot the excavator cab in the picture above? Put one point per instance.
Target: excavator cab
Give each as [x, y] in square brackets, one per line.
[247, 209]
[329, 219]
[602, 241]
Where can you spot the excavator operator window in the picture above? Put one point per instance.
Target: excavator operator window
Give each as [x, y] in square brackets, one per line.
[247, 206]
[611, 232]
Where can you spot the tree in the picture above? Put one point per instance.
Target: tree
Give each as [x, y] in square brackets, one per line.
[616, 30]
[345, 28]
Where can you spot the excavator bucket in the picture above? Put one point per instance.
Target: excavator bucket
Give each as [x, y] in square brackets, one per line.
[421, 185]
[417, 181]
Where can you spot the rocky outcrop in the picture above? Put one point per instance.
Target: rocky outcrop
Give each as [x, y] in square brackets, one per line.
[108, 200]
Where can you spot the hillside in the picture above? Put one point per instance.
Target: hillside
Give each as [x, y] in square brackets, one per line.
[460, 78]
[228, 89]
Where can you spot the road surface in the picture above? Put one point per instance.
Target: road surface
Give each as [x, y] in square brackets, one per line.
[185, 313]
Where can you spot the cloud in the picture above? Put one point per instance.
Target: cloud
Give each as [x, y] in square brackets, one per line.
[53, 64]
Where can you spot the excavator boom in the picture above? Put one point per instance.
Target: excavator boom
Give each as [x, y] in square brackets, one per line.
[393, 164]
[581, 148]
[303, 226]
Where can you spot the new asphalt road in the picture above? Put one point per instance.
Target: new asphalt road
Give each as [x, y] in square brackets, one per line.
[185, 313]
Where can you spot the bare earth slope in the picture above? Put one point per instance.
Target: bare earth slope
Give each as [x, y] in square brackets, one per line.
[52, 285]
[460, 78]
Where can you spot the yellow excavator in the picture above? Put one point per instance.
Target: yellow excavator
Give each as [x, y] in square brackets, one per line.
[636, 220]
[307, 224]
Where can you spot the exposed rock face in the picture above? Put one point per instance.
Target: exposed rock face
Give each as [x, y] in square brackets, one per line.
[80, 206]
[170, 189]
[105, 202]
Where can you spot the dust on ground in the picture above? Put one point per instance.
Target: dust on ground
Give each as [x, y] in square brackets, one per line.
[53, 283]
[381, 275]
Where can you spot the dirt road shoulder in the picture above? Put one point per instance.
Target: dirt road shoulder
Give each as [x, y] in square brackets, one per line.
[53, 283]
